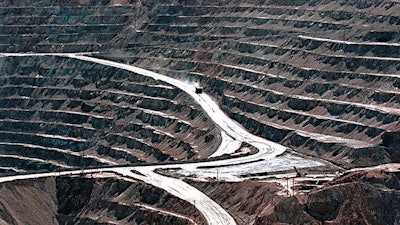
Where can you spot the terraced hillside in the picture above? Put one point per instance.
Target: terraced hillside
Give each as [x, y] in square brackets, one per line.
[321, 77]
[59, 113]
[80, 200]
[317, 78]
[49, 26]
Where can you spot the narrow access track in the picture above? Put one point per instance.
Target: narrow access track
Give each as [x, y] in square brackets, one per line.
[214, 213]
[235, 133]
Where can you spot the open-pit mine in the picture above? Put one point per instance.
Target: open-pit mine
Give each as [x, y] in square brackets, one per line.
[184, 112]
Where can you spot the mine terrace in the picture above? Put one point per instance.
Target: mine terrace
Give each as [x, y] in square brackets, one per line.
[199, 112]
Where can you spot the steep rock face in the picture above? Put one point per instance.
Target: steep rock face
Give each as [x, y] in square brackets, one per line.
[80, 200]
[391, 140]
[119, 201]
[75, 194]
[289, 211]
[244, 200]
[289, 71]
[310, 78]
[59, 113]
[28, 202]
[68, 26]
[357, 198]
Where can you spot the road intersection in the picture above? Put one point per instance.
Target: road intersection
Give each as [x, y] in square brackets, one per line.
[269, 156]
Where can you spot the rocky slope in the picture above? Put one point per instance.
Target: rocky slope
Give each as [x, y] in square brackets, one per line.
[318, 76]
[244, 200]
[58, 113]
[85, 200]
[363, 197]
[367, 197]
[321, 77]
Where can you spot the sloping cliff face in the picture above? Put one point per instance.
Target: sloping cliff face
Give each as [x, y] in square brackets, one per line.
[68, 26]
[391, 140]
[28, 202]
[244, 200]
[58, 113]
[321, 77]
[357, 198]
[80, 200]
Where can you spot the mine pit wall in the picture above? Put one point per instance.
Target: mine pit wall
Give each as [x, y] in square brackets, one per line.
[68, 26]
[244, 200]
[85, 200]
[347, 156]
[61, 113]
[391, 140]
[355, 198]
[232, 48]
[332, 76]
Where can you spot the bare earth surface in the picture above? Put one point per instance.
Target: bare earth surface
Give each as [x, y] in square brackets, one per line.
[199, 112]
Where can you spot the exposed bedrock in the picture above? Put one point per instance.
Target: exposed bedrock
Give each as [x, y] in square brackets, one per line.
[68, 26]
[308, 74]
[344, 123]
[244, 200]
[309, 126]
[355, 198]
[391, 140]
[339, 110]
[76, 113]
[321, 77]
[85, 200]
[119, 201]
[351, 48]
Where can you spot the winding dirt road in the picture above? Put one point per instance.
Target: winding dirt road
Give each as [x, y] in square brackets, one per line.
[233, 133]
